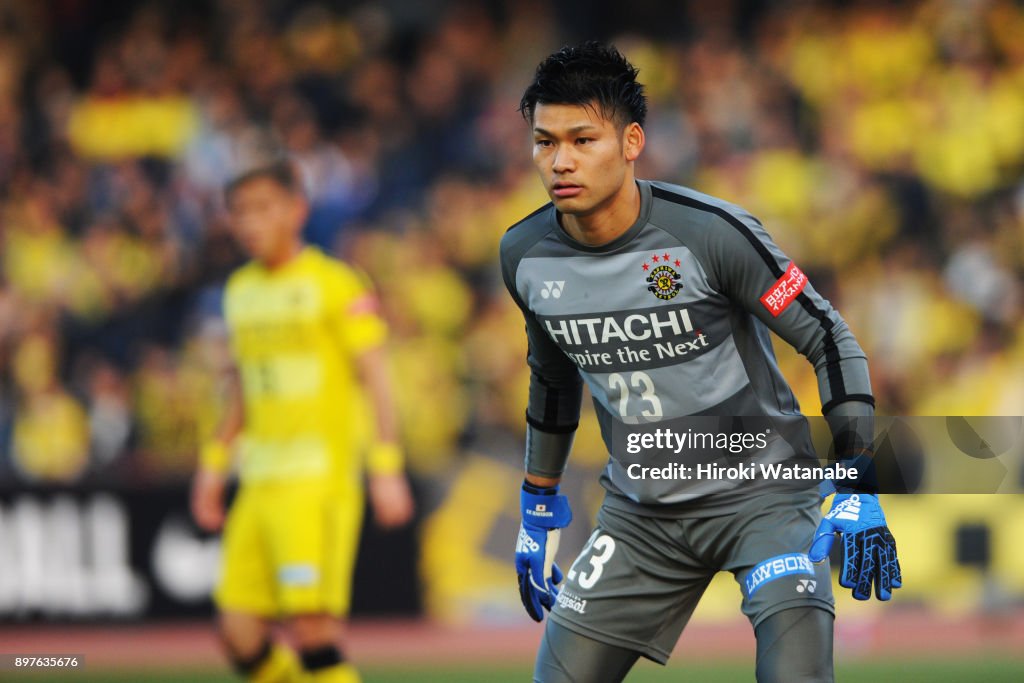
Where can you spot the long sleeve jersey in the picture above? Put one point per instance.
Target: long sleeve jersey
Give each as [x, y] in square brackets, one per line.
[671, 319]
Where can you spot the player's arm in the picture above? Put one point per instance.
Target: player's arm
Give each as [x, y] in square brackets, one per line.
[553, 408]
[389, 490]
[753, 271]
[552, 416]
[210, 480]
[362, 333]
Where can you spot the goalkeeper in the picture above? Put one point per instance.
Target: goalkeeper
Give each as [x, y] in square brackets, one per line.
[662, 300]
[307, 341]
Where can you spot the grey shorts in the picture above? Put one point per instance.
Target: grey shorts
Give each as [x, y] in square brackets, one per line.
[638, 579]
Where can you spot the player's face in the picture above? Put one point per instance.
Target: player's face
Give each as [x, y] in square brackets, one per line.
[267, 219]
[584, 159]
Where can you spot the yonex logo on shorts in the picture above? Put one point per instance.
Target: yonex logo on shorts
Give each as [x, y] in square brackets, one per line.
[777, 567]
[553, 288]
[298, 574]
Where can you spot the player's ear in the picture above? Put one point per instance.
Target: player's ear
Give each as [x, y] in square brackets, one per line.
[633, 141]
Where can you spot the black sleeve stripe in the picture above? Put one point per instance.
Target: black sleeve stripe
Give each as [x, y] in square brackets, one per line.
[551, 428]
[761, 250]
[836, 384]
[833, 370]
[513, 251]
[863, 398]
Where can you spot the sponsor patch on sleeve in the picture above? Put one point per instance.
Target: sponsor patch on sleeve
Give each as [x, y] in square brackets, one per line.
[780, 295]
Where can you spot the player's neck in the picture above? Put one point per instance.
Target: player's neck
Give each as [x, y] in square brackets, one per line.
[284, 257]
[606, 222]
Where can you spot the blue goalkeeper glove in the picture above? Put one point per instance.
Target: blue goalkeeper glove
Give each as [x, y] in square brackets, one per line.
[545, 512]
[870, 550]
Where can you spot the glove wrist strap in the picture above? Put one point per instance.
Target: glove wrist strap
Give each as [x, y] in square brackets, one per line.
[867, 478]
[544, 508]
[535, 490]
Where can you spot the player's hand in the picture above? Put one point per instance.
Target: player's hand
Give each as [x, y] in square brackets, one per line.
[208, 499]
[870, 550]
[545, 513]
[391, 499]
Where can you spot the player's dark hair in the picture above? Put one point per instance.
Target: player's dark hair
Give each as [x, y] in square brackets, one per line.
[591, 73]
[282, 172]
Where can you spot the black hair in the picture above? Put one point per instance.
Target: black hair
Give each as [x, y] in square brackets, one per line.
[282, 172]
[591, 73]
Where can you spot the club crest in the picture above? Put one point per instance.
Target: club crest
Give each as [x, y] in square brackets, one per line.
[662, 279]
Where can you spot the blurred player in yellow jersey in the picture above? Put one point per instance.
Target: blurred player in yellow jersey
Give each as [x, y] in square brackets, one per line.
[307, 343]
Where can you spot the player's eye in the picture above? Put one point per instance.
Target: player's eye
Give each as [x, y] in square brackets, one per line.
[584, 141]
[543, 143]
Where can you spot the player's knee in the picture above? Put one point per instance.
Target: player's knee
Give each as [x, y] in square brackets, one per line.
[248, 661]
[246, 639]
[568, 657]
[316, 636]
[311, 631]
[795, 646]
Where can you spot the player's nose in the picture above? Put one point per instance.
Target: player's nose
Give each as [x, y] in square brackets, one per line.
[563, 160]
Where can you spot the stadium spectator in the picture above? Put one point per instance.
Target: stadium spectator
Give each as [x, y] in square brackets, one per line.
[884, 145]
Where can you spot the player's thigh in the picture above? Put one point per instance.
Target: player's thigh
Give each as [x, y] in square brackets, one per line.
[314, 534]
[795, 646]
[345, 522]
[245, 583]
[632, 586]
[568, 657]
[768, 540]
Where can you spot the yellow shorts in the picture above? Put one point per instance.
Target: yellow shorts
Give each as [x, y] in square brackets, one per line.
[289, 549]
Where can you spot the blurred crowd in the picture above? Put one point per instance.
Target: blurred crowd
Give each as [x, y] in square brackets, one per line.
[881, 144]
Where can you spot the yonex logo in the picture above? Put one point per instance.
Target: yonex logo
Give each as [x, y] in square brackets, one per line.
[553, 288]
[806, 585]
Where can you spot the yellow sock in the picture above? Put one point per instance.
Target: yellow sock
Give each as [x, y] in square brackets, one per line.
[339, 673]
[281, 666]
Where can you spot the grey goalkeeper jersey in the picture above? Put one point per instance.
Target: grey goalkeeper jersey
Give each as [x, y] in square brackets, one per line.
[671, 319]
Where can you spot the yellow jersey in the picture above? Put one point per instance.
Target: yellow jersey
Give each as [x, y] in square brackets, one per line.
[295, 334]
